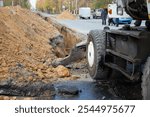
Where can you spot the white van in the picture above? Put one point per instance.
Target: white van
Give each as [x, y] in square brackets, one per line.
[84, 13]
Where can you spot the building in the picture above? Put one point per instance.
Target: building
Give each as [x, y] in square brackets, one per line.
[1, 3]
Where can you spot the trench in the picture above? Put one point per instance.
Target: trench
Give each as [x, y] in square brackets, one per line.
[70, 36]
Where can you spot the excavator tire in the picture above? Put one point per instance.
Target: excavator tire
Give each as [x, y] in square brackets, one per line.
[95, 55]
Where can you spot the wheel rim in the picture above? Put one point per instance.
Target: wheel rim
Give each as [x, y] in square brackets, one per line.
[91, 54]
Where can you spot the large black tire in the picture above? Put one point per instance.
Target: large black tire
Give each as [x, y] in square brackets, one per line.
[96, 68]
[146, 81]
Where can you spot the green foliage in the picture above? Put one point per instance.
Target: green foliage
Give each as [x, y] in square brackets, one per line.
[22, 3]
[25, 4]
[7, 2]
[55, 6]
[50, 6]
[101, 3]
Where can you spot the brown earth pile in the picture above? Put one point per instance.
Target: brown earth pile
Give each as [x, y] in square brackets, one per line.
[25, 52]
[66, 15]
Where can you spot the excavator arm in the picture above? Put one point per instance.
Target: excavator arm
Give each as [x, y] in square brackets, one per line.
[137, 9]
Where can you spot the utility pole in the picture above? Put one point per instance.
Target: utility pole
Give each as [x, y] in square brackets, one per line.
[69, 4]
[72, 5]
[12, 3]
[76, 7]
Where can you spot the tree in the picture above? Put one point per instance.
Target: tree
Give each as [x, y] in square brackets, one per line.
[7, 2]
[55, 6]
[101, 3]
[25, 3]
[48, 5]
[40, 4]
[22, 3]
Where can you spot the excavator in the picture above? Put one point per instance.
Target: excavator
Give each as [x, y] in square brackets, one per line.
[119, 55]
[123, 54]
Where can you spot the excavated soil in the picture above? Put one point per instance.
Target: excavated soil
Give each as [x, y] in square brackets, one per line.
[27, 47]
[66, 15]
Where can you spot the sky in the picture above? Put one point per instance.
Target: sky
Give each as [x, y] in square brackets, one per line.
[33, 3]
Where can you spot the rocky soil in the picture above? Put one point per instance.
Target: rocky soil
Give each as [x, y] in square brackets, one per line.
[28, 45]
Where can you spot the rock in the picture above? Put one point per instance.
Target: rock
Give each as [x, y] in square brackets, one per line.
[40, 74]
[67, 90]
[30, 78]
[62, 71]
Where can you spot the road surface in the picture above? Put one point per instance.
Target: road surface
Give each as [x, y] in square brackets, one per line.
[84, 26]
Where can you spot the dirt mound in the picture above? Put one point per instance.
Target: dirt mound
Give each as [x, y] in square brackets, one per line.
[66, 15]
[25, 50]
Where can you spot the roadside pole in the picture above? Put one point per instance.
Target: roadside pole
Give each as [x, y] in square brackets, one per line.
[76, 7]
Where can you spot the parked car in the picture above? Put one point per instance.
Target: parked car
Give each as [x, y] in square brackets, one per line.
[123, 20]
[97, 13]
[84, 13]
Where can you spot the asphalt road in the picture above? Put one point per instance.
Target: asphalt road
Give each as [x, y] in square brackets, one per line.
[84, 26]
